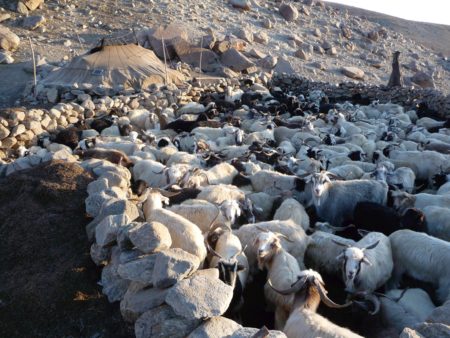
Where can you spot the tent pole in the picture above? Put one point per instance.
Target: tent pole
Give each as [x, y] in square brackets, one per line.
[165, 61]
[201, 53]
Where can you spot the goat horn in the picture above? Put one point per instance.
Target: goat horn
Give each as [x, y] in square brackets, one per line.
[295, 287]
[339, 228]
[262, 229]
[327, 301]
[215, 218]
[238, 253]
[284, 236]
[341, 244]
[212, 250]
[375, 301]
[166, 193]
[162, 170]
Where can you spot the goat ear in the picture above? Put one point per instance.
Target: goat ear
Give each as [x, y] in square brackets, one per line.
[340, 256]
[365, 260]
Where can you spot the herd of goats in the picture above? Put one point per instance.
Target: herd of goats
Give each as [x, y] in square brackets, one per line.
[300, 187]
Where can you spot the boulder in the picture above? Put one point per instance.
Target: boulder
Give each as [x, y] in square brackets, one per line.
[8, 40]
[94, 203]
[138, 270]
[302, 55]
[440, 314]
[106, 231]
[241, 4]
[150, 237]
[423, 79]
[136, 302]
[33, 22]
[284, 66]
[433, 330]
[100, 254]
[162, 322]
[200, 297]
[191, 55]
[353, 72]
[113, 286]
[4, 132]
[172, 266]
[31, 4]
[261, 37]
[6, 58]
[235, 60]
[170, 34]
[410, 333]
[245, 34]
[288, 11]
[97, 186]
[250, 332]
[112, 206]
[216, 327]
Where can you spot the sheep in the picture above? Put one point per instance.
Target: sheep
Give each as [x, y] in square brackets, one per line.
[444, 189]
[282, 270]
[403, 200]
[304, 322]
[181, 157]
[247, 234]
[291, 209]
[375, 217]
[127, 147]
[156, 175]
[262, 204]
[185, 234]
[348, 193]
[229, 259]
[438, 221]
[272, 181]
[322, 252]
[422, 257]
[367, 265]
[348, 171]
[219, 193]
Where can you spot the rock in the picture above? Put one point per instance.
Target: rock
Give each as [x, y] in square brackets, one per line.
[267, 23]
[288, 11]
[162, 322]
[4, 132]
[21, 8]
[268, 62]
[33, 22]
[191, 55]
[8, 40]
[332, 51]
[249, 332]
[138, 270]
[317, 32]
[200, 297]
[346, 32]
[113, 286]
[353, 72]
[172, 266]
[99, 254]
[235, 60]
[170, 34]
[97, 186]
[32, 4]
[440, 314]
[150, 237]
[245, 34]
[95, 202]
[261, 37]
[241, 4]
[433, 330]
[423, 79]
[216, 327]
[318, 49]
[284, 66]
[106, 230]
[373, 35]
[52, 95]
[410, 333]
[302, 55]
[4, 17]
[319, 65]
[112, 206]
[19, 129]
[256, 54]
[135, 303]
[6, 58]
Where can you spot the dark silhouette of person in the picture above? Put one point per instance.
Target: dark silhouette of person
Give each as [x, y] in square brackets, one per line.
[396, 78]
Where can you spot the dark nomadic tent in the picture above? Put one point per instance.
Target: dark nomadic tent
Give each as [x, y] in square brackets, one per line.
[130, 66]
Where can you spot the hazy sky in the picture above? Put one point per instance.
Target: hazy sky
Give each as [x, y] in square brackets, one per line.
[437, 11]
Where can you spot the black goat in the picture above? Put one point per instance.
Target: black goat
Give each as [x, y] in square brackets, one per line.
[376, 217]
[180, 125]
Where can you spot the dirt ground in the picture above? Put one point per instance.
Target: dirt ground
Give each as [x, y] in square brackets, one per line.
[48, 282]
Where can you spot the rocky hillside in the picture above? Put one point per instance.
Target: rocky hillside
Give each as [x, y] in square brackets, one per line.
[317, 40]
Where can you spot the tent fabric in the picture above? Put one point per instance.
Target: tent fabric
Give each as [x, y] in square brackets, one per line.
[129, 65]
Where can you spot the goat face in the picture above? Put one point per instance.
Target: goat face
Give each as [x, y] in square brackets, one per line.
[352, 258]
[266, 243]
[228, 271]
[319, 182]
[402, 200]
[231, 210]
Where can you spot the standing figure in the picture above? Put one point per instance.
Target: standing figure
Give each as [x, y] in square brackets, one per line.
[396, 78]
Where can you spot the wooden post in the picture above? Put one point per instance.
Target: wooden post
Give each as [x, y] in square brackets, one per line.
[165, 61]
[34, 68]
[201, 53]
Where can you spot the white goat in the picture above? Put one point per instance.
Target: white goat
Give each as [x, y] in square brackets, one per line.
[422, 257]
[293, 210]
